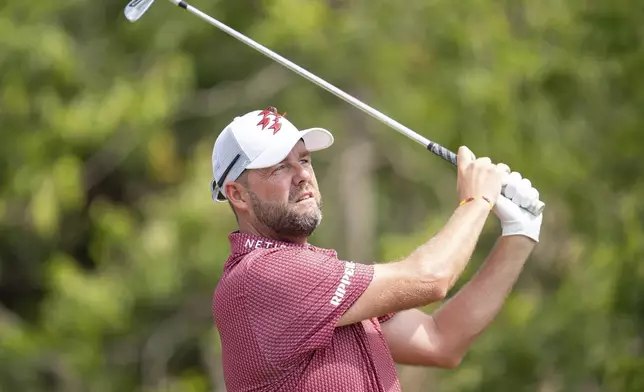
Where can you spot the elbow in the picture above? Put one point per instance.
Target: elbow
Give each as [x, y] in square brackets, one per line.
[439, 286]
[432, 284]
[445, 360]
[450, 362]
[445, 354]
[436, 283]
[442, 289]
[438, 360]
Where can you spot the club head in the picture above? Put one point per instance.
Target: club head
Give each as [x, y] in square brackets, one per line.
[136, 8]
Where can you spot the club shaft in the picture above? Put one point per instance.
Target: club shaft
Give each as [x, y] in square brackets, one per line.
[303, 72]
[435, 148]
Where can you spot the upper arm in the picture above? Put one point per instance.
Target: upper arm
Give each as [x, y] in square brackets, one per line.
[295, 298]
[394, 287]
[413, 339]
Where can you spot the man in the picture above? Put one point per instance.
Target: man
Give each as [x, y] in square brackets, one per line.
[295, 317]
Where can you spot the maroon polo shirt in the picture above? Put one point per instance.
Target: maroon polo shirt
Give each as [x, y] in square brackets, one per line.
[276, 307]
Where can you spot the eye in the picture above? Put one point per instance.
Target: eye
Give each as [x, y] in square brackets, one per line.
[305, 161]
[280, 167]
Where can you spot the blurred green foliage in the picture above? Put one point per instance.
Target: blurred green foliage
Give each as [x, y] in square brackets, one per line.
[110, 246]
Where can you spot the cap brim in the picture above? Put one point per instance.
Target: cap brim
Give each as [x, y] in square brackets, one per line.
[315, 139]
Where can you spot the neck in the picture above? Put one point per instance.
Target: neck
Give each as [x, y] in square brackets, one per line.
[263, 231]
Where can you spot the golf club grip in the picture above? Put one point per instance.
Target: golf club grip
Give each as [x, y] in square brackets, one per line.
[536, 208]
[442, 152]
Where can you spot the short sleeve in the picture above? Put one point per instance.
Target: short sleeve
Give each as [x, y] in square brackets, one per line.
[386, 317]
[294, 298]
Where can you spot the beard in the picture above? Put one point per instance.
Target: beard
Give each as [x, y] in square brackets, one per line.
[283, 219]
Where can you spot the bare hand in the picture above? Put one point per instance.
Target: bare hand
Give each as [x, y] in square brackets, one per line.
[478, 177]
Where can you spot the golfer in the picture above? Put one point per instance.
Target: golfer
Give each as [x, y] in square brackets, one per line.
[296, 317]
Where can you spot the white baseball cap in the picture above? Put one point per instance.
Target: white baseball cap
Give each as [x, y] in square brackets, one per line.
[256, 140]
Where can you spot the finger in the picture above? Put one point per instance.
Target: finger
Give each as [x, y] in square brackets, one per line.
[517, 194]
[505, 208]
[505, 169]
[521, 188]
[525, 193]
[484, 160]
[515, 177]
[512, 186]
[530, 196]
[525, 200]
[518, 199]
[464, 157]
[534, 194]
[510, 190]
[525, 185]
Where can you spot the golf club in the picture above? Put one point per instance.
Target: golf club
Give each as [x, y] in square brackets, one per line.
[136, 8]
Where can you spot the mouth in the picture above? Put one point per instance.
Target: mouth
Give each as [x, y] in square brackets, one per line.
[304, 196]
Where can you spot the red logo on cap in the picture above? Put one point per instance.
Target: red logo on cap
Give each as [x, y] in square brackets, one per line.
[265, 121]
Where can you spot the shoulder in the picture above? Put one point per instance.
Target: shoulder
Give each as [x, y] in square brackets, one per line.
[271, 264]
[261, 259]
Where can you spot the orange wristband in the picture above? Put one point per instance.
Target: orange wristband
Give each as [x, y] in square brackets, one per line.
[469, 199]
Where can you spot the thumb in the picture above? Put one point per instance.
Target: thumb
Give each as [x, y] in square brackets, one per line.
[464, 156]
[506, 210]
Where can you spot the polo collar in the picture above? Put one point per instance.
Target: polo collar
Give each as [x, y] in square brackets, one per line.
[242, 243]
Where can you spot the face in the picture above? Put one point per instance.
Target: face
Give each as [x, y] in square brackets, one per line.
[285, 198]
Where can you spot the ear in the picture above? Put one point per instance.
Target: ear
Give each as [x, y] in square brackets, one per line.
[237, 196]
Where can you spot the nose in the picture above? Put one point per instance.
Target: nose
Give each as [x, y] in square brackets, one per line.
[302, 175]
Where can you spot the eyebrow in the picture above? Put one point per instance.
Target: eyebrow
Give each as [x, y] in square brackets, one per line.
[305, 153]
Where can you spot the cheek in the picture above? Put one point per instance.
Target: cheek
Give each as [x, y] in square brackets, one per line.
[277, 190]
[311, 173]
[314, 179]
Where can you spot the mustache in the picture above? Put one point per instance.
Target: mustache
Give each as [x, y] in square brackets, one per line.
[295, 193]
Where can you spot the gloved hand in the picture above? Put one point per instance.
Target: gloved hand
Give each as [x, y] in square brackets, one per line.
[518, 192]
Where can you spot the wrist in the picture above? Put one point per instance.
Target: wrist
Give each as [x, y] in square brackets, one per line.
[477, 199]
[520, 229]
[519, 242]
[477, 206]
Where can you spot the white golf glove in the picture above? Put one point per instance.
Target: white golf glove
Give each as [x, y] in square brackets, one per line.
[515, 220]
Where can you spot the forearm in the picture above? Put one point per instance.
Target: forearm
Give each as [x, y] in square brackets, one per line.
[446, 255]
[422, 277]
[472, 309]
